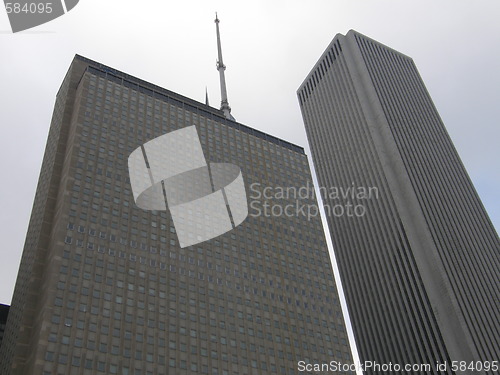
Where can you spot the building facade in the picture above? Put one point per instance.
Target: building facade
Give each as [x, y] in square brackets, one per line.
[104, 287]
[418, 257]
[4, 312]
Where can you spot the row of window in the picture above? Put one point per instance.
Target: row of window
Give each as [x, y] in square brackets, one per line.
[230, 283]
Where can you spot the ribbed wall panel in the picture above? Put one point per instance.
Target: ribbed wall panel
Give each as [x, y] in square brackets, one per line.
[450, 203]
[386, 289]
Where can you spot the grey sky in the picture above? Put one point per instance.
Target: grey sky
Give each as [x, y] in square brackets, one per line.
[269, 47]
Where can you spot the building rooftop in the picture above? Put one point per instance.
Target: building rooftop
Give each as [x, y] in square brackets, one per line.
[170, 96]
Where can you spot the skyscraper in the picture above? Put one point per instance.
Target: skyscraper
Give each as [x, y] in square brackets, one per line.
[418, 255]
[106, 287]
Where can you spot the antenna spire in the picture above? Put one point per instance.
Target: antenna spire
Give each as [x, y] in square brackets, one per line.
[224, 104]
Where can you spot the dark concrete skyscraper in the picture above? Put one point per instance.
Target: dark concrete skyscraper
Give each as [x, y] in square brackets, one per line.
[106, 287]
[420, 259]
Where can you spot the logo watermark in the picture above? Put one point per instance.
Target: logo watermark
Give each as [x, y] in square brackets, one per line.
[407, 368]
[205, 200]
[290, 201]
[24, 15]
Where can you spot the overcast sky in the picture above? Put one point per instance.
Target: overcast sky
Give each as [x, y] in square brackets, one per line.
[269, 48]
